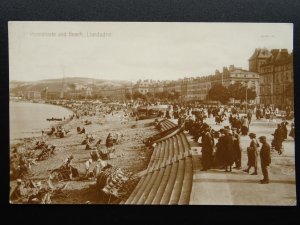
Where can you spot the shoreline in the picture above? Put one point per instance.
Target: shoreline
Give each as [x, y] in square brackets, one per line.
[59, 123]
[130, 154]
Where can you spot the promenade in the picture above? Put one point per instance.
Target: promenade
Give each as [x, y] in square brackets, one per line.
[216, 187]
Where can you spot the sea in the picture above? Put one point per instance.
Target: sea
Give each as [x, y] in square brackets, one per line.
[28, 119]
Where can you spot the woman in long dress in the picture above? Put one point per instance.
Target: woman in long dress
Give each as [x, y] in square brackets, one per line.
[245, 125]
[292, 132]
[252, 154]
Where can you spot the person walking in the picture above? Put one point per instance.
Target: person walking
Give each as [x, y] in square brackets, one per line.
[265, 159]
[249, 116]
[207, 148]
[278, 139]
[258, 114]
[220, 150]
[228, 150]
[292, 131]
[284, 129]
[245, 125]
[237, 150]
[252, 154]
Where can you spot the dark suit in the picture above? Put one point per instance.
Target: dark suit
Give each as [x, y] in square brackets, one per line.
[265, 159]
[228, 150]
[220, 151]
[207, 150]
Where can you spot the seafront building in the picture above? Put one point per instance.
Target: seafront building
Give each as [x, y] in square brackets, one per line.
[275, 70]
[197, 88]
[270, 74]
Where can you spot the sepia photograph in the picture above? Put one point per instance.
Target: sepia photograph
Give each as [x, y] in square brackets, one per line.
[151, 113]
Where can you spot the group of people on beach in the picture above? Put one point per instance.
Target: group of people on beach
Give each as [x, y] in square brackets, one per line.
[221, 148]
[57, 131]
[23, 158]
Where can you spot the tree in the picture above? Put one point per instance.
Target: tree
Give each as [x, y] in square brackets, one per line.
[219, 93]
[234, 90]
[251, 94]
[238, 92]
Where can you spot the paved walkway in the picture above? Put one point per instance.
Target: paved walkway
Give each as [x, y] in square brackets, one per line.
[216, 187]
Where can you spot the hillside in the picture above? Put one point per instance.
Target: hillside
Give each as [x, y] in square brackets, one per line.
[69, 82]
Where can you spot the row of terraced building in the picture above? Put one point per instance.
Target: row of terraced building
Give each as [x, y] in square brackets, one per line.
[270, 73]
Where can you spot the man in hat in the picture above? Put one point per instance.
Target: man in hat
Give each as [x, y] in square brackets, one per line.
[207, 147]
[219, 150]
[278, 139]
[265, 159]
[252, 154]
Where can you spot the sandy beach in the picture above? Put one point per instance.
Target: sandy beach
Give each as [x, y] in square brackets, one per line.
[130, 154]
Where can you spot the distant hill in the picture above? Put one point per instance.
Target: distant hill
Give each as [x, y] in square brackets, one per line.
[56, 85]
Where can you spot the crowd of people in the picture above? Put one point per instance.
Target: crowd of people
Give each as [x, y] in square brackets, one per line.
[22, 159]
[221, 148]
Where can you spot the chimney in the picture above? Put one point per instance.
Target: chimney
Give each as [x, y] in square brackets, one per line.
[274, 51]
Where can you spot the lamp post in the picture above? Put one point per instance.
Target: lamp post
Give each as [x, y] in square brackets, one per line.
[246, 97]
[245, 84]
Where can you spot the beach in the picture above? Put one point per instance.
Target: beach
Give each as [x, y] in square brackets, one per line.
[130, 154]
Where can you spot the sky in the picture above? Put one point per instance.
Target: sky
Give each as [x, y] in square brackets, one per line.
[132, 51]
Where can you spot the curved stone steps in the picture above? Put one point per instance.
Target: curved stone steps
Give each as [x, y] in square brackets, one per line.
[187, 182]
[170, 184]
[180, 173]
[176, 192]
[168, 179]
[154, 156]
